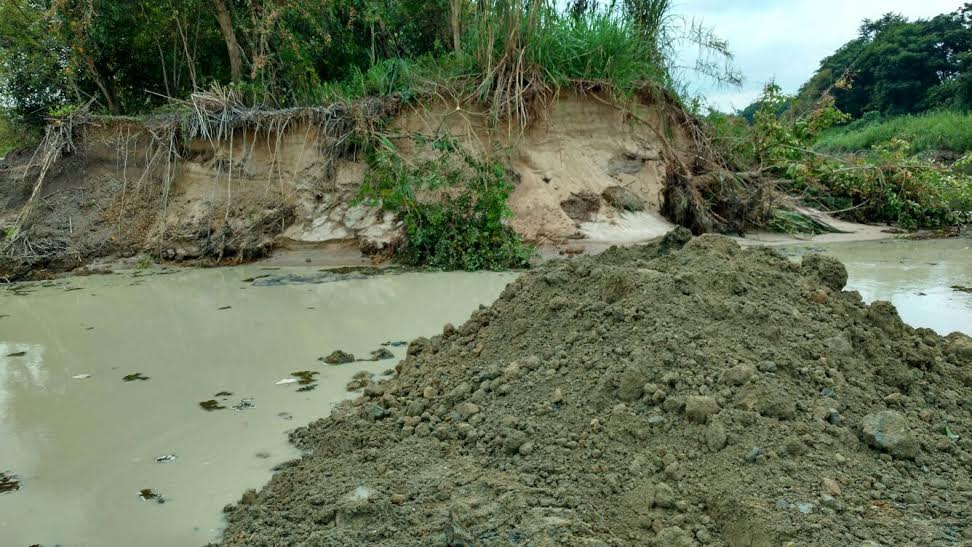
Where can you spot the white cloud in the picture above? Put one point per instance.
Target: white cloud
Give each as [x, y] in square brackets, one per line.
[785, 40]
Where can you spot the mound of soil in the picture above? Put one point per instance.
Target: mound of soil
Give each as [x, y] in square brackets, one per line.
[681, 393]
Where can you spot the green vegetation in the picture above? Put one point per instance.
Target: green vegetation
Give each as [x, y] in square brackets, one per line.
[453, 207]
[896, 66]
[927, 132]
[886, 184]
[873, 135]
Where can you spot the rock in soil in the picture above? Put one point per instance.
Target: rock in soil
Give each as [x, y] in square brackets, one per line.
[680, 393]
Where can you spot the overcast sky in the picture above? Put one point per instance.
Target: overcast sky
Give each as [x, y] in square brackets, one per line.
[785, 40]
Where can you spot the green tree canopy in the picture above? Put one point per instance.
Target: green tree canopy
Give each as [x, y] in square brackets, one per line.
[896, 66]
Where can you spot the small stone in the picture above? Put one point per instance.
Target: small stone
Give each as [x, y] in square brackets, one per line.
[338, 357]
[831, 486]
[804, 507]
[526, 449]
[738, 375]
[467, 410]
[398, 499]
[698, 408]
[429, 393]
[557, 396]
[664, 496]
[715, 437]
[674, 537]
[889, 431]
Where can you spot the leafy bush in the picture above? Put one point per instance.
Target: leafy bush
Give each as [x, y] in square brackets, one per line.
[453, 207]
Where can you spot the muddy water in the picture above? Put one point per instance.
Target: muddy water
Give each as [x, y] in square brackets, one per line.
[921, 278]
[83, 442]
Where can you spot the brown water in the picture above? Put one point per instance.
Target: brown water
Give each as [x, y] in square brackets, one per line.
[84, 447]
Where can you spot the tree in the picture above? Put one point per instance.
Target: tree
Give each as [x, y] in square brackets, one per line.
[896, 66]
[232, 46]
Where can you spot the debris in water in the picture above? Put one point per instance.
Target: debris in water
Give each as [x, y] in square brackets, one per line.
[17, 354]
[338, 357]
[243, 405]
[147, 494]
[81, 376]
[69, 289]
[254, 278]
[381, 355]
[960, 288]
[9, 482]
[263, 455]
[136, 376]
[4, 316]
[286, 381]
[304, 377]
[310, 387]
[285, 416]
[211, 405]
[398, 344]
[223, 394]
[168, 458]
[225, 308]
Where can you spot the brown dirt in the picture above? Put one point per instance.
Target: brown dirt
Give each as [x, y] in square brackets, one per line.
[681, 393]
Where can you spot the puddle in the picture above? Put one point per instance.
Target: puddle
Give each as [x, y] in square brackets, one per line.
[923, 279]
[79, 442]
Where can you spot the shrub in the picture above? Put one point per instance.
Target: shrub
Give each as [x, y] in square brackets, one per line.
[453, 207]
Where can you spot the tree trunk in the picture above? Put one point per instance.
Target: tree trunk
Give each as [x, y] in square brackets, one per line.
[104, 86]
[232, 46]
[456, 6]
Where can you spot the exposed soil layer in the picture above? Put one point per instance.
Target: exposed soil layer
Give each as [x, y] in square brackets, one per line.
[681, 393]
[285, 179]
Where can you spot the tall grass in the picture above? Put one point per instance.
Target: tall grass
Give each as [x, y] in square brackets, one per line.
[942, 130]
[516, 53]
[521, 51]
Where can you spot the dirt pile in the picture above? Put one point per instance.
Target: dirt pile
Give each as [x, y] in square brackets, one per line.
[681, 393]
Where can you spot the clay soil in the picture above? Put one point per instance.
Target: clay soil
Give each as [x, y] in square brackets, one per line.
[686, 392]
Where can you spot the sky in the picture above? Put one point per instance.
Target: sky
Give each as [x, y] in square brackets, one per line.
[785, 40]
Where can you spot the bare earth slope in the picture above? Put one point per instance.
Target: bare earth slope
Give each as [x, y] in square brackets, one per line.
[681, 393]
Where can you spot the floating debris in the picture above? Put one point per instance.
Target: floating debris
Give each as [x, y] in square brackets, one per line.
[398, 344]
[168, 458]
[286, 381]
[147, 494]
[4, 316]
[225, 308]
[243, 405]
[381, 355]
[311, 387]
[263, 455]
[304, 377]
[81, 376]
[211, 405]
[960, 288]
[223, 394]
[17, 354]
[137, 376]
[285, 416]
[69, 289]
[89, 328]
[254, 278]
[338, 357]
[9, 482]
